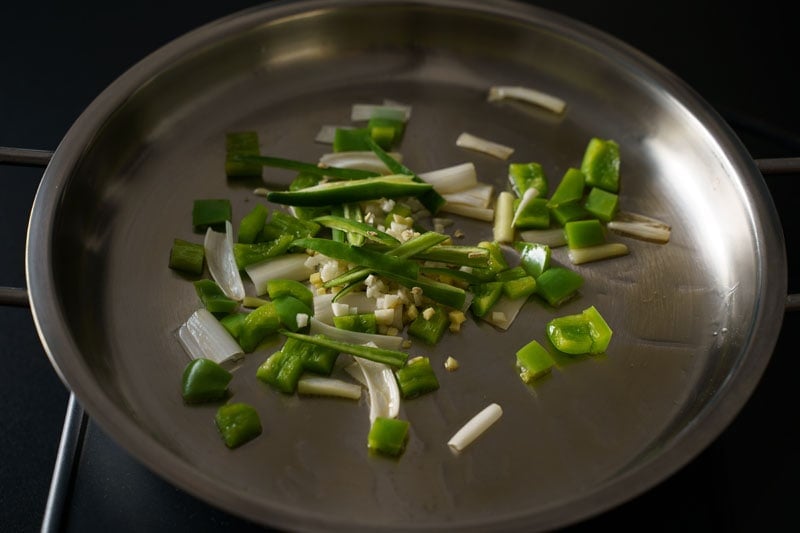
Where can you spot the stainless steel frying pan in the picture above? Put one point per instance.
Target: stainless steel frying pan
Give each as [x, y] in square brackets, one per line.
[695, 320]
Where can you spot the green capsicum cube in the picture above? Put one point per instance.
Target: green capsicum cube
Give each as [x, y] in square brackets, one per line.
[252, 224]
[388, 436]
[213, 298]
[570, 334]
[211, 213]
[599, 330]
[241, 143]
[361, 322]
[302, 181]
[520, 287]
[497, 261]
[534, 215]
[558, 284]
[534, 258]
[602, 204]
[350, 139]
[282, 370]
[233, 323]
[569, 212]
[386, 131]
[257, 325]
[431, 329]
[583, 233]
[533, 361]
[316, 359]
[416, 378]
[601, 162]
[485, 296]
[238, 423]
[277, 288]
[570, 188]
[511, 273]
[187, 257]
[249, 254]
[204, 381]
[524, 176]
[288, 308]
[282, 224]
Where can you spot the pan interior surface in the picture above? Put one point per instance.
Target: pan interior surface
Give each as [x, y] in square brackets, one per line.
[693, 320]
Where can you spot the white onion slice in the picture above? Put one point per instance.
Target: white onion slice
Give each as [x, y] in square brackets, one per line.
[526, 94]
[500, 151]
[452, 179]
[221, 262]
[391, 342]
[384, 394]
[203, 336]
[324, 386]
[475, 427]
[289, 266]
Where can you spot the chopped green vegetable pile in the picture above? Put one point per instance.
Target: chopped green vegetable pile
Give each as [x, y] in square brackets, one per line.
[352, 266]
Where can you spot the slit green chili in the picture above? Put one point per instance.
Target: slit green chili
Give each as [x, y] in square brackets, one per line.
[416, 378]
[338, 192]
[360, 256]
[301, 166]
[393, 358]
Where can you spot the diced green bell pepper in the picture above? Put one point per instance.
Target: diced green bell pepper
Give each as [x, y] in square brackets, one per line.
[213, 298]
[250, 254]
[362, 322]
[533, 361]
[277, 288]
[602, 204]
[601, 162]
[258, 324]
[241, 144]
[238, 423]
[233, 323]
[534, 215]
[204, 381]
[519, 287]
[599, 329]
[533, 257]
[584, 233]
[569, 212]
[497, 261]
[288, 307]
[557, 285]
[211, 213]
[282, 370]
[416, 378]
[570, 188]
[187, 257]
[350, 139]
[282, 224]
[429, 330]
[387, 132]
[302, 181]
[583, 333]
[526, 176]
[252, 224]
[315, 358]
[388, 436]
[485, 296]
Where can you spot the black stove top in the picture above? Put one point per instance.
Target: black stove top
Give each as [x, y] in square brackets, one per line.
[58, 56]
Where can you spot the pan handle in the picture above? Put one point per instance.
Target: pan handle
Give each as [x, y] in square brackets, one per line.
[16, 296]
[782, 165]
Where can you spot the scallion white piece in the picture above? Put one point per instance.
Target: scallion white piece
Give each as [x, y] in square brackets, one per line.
[221, 262]
[384, 393]
[469, 211]
[452, 179]
[324, 386]
[526, 94]
[657, 232]
[467, 140]
[553, 237]
[475, 427]
[358, 159]
[289, 266]
[361, 112]
[327, 133]
[391, 342]
[503, 214]
[203, 336]
[477, 196]
[599, 252]
[529, 194]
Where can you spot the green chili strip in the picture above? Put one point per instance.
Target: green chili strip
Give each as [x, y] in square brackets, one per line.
[353, 213]
[442, 293]
[432, 200]
[338, 192]
[301, 166]
[361, 228]
[471, 256]
[360, 256]
[393, 358]
[416, 378]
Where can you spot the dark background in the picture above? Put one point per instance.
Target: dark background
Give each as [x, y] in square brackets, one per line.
[57, 56]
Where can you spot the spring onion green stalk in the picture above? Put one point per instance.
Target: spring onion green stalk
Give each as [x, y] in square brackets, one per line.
[354, 226]
[452, 179]
[288, 266]
[442, 293]
[324, 386]
[187, 257]
[533, 361]
[361, 112]
[339, 192]
[384, 394]
[469, 211]
[526, 94]
[360, 256]
[300, 166]
[553, 237]
[389, 342]
[475, 427]
[640, 227]
[473, 256]
[282, 224]
[579, 256]
[222, 263]
[477, 196]
[388, 436]
[361, 159]
[503, 229]
[393, 358]
[202, 336]
[472, 142]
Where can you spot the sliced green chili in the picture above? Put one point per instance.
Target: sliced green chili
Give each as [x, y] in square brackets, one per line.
[361, 322]
[352, 212]
[250, 254]
[241, 144]
[213, 297]
[338, 192]
[393, 358]
[282, 224]
[429, 330]
[442, 293]
[485, 296]
[416, 378]
[304, 180]
[187, 257]
[351, 226]
[238, 423]
[310, 168]
[278, 287]
[360, 256]
[257, 325]
[252, 224]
